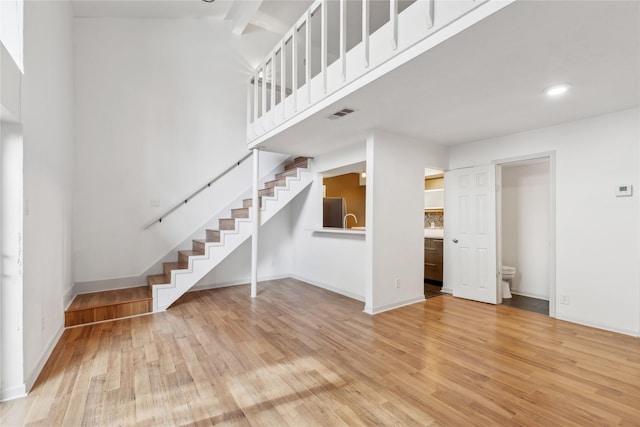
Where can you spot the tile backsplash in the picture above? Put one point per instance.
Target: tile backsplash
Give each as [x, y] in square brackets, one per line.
[435, 217]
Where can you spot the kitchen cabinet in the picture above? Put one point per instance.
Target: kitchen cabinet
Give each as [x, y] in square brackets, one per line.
[433, 256]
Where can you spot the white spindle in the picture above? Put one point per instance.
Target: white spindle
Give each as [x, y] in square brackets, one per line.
[283, 79]
[249, 104]
[365, 31]
[255, 99]
[294, 66]
[264, 94]
[343, 39]
[430, 17]
[393, 19]
[307, 54]
[272, 91]
[323, 52]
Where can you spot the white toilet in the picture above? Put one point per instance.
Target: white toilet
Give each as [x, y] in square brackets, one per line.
[508, 273]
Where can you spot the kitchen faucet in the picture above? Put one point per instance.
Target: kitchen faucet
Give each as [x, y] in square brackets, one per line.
[344, 220]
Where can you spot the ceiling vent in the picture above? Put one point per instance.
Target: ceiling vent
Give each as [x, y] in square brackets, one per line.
[340, 114]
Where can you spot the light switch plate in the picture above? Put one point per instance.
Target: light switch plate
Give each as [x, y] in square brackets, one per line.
[624, 190]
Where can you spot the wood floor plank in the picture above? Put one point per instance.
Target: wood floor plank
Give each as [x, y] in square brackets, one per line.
[300, 355]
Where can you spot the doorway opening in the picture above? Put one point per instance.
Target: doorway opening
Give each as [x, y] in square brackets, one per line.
[525, 234]
[433, 232]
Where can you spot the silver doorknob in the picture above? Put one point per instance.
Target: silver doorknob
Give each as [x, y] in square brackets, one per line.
[455, 240]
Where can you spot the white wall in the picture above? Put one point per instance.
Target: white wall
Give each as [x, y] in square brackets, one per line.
[11, 271]
[274, 256]
[331, 261]
[395, 218]
[160, 108]
[597, 234]
[525, 226]
[47, 119]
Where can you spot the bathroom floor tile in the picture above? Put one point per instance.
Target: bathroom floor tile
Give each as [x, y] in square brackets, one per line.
[527, 303]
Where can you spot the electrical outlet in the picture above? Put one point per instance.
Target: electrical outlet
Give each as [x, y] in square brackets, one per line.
[397, 283]
[564, 299]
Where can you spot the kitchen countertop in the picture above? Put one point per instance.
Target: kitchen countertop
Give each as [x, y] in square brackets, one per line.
[433, 233]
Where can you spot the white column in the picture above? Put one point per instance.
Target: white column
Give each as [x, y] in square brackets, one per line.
[255, 218]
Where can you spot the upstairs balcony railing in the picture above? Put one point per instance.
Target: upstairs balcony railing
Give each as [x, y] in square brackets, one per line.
[333, 44]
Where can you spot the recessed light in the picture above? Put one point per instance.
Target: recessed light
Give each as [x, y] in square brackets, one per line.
[557, 90]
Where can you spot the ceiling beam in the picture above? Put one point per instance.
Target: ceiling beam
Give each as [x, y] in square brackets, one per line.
[241, 14]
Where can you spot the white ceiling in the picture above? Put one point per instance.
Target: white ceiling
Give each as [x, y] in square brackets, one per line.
[490, 79]
[272, 15]
[151, 9]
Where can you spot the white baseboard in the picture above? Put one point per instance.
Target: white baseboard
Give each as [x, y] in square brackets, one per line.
[529, 294]
[388, 307]
[235, 283]
[597, 325]
[11, 393]
[68, 297]
[328, 287]
[33, 375]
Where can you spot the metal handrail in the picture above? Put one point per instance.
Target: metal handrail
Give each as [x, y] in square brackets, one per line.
[200, 189]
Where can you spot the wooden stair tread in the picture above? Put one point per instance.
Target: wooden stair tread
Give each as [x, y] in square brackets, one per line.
[286, 173]
[157, 279]
[191, 253]
[105, 298]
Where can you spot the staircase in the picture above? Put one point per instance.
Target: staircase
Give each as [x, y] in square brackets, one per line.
[179, 276]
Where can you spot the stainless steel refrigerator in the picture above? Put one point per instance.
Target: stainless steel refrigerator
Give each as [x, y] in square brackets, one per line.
[333, 211]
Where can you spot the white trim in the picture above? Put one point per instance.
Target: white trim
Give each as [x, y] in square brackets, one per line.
[238, 282]
[529, 294]
[328, 288]
[348, 231]
[12, 393]
[597, 325]
[33, 375]
[381, 309]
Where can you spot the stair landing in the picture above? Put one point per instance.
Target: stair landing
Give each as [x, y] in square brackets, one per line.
[108, 305]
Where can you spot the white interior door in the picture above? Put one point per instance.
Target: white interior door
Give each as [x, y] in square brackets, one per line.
[471, 233]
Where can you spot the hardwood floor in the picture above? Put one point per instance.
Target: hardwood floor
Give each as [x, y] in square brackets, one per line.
[299, 355]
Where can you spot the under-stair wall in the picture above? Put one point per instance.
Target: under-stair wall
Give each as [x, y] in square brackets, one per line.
[161, 242]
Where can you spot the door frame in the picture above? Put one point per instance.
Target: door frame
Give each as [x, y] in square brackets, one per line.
[551, 156]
